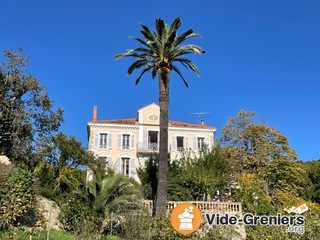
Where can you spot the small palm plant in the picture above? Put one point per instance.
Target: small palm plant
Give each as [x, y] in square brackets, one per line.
[160, 50]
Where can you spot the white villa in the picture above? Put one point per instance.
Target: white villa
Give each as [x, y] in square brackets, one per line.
[125, 144]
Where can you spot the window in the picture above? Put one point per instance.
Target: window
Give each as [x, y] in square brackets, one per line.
[200, 142]
[125, 166]
[103, 140]
[125, 141]
[180, 143]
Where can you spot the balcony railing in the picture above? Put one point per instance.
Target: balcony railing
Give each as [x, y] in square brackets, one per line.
[208, 207]
[148, 147]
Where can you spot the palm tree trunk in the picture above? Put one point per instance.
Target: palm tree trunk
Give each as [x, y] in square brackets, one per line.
[161, 200]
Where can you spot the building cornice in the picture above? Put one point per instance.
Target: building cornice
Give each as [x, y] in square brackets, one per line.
[113, 126]
[136, 127]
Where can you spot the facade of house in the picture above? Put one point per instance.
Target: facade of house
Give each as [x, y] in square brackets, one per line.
[126, 144]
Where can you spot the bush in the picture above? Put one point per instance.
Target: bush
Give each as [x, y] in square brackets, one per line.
[16, 198]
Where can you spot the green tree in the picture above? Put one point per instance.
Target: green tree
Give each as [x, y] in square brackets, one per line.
[254, 145]
[255, 148]
[105, 200]
[207, 174]
[252, 195]
[177, 190]
[59, 171]
[286, 176]
[26, 115]
[159, 51]
[191, 178]
[313, 172]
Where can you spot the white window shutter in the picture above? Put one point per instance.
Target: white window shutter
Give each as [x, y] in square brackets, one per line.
[109, 143]
[132, 141]
[132, 168]
[110, 164]
[96, 140]
[174, 143]
[195, 144]
[207, 142]
[185, 143]
[119, 141]
[145, 138]
[118, 165]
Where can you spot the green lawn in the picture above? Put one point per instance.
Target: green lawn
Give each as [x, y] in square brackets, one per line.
[21, 235]
[54, 235]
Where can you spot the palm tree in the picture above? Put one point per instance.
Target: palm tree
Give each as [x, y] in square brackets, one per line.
[159, 51]
[113, 194]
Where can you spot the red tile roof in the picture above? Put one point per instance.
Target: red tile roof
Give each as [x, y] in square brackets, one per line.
[133, 121]
[188, 125]
[118, 121]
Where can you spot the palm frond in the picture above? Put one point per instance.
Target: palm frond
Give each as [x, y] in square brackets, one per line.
[176, 23]
[187, 49]
[186, 62]
[174, 68]
[140, 41]
[154, 73]
[173, 30]
[133, 54]
[136, 65]
[192, 48]
[184, 36]
[146, 69]
[160, 25]
[122, 55]
[144, 50]
[147, 34]
[162, 45]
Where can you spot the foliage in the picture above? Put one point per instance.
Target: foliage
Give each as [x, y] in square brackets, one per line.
[149, 179]
[177, 189]
[190, 178]
[313, 172]
[75, 215]
[16, 198]
[221, 233]
[206, 174]
[95, 210]
[4, 171]
[286, 176]
[251, 195]
[311, 228]
[254, 145]
[140, 225]
[59, 173]
[26, 117]
[40, 235]
[160, 49]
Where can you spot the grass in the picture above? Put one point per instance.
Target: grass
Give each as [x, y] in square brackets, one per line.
[54, 235]
[24, 235]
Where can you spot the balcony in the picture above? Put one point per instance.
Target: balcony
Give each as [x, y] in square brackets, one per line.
[148, 147]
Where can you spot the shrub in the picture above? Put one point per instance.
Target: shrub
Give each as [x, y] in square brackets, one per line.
[16, 198]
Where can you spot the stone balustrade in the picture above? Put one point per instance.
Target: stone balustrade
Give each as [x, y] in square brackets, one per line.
[231, 207]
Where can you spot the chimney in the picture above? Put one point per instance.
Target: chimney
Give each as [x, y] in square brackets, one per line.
[95, 112]
[202, 122]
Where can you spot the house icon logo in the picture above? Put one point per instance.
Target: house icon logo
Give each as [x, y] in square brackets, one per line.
[186, 218]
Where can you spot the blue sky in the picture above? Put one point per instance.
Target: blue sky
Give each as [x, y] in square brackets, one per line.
[262, 56]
